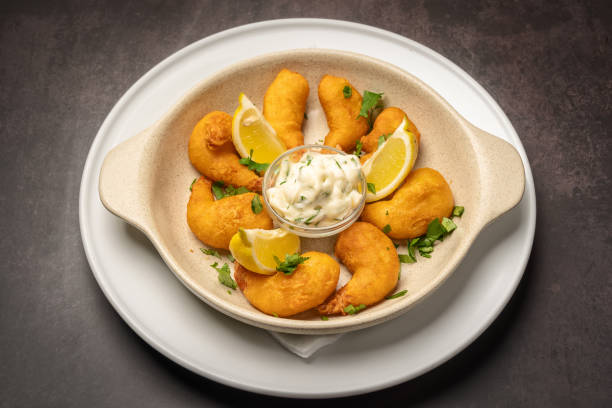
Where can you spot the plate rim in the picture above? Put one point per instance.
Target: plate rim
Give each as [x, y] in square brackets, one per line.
[159, 344]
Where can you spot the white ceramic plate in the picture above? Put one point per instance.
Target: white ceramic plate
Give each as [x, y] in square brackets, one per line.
[165, 314]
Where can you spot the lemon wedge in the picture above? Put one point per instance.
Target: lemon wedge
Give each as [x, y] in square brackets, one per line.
[391, 163]
[250, 131]
[255, 249]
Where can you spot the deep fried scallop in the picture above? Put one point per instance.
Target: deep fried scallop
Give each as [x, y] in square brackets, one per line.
[345, 125]
[212, 152]
[285, 295]
[386, 122]
[372, 259]
[215, 222]
[425, 195]
[284, 106]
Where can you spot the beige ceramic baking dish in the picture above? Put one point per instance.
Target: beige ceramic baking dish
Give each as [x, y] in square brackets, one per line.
[146, 179]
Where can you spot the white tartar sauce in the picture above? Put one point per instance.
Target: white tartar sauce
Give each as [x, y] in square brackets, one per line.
[318, 190]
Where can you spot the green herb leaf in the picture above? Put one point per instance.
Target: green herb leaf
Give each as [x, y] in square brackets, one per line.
[212, 252]
[411, 254]
[351, 309]
[338, 164]
[426, 250]
[220, 190]
[434, 230]
[381, 140]
[358, 147]
[253, 165]
[406, 259]
[256, 206]
[217, 189]
[372, 188]
[231, 258]
[324, 318]
[448, 225]
[386, 229]
[290, 263]
[398, 294]
[458, 211]
[347, 91]
[225, 276]
[192, 183]
[425, 242]
[309, 219]
[370, 101]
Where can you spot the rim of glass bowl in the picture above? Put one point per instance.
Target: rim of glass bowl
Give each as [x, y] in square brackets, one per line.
[300, 229]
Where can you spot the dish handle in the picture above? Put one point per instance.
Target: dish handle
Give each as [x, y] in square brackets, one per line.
[122, 189]
[503, 174]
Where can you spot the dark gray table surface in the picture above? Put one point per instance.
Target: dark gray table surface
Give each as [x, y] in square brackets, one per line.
[64, 65]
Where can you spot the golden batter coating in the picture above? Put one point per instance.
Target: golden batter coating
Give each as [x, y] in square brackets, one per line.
[372, 259]
[345, 125]
[386, 122]
[285, 295]
[212, 152]
[285, 105]
[425, 195]
[215, 222]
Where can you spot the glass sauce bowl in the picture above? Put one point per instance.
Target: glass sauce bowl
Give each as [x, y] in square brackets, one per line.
[269, 181]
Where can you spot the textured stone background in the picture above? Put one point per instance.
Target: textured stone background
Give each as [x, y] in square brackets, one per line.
[63, 66]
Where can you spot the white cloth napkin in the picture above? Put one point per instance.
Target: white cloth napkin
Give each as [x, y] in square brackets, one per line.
[304, 345]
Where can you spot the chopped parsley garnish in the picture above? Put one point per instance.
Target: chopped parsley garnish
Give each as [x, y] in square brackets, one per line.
[458, 211]
[195, 179]
[358, 147]
[212, 252]
[225, 276]
[290, 263]
[386, 229]
[309, 160]
[253, 165]
[370, 102]
[231, 258]
[448, 225]
[398, 294]
[282, 182]
[372, 188]
[220, 190]
[436, 231]
[256, 206]
[382, 139]
[308, 220]
[324, 318]
[406, 259]
[350, 309]
[217, 189]
[338, 164]
[347, 91]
